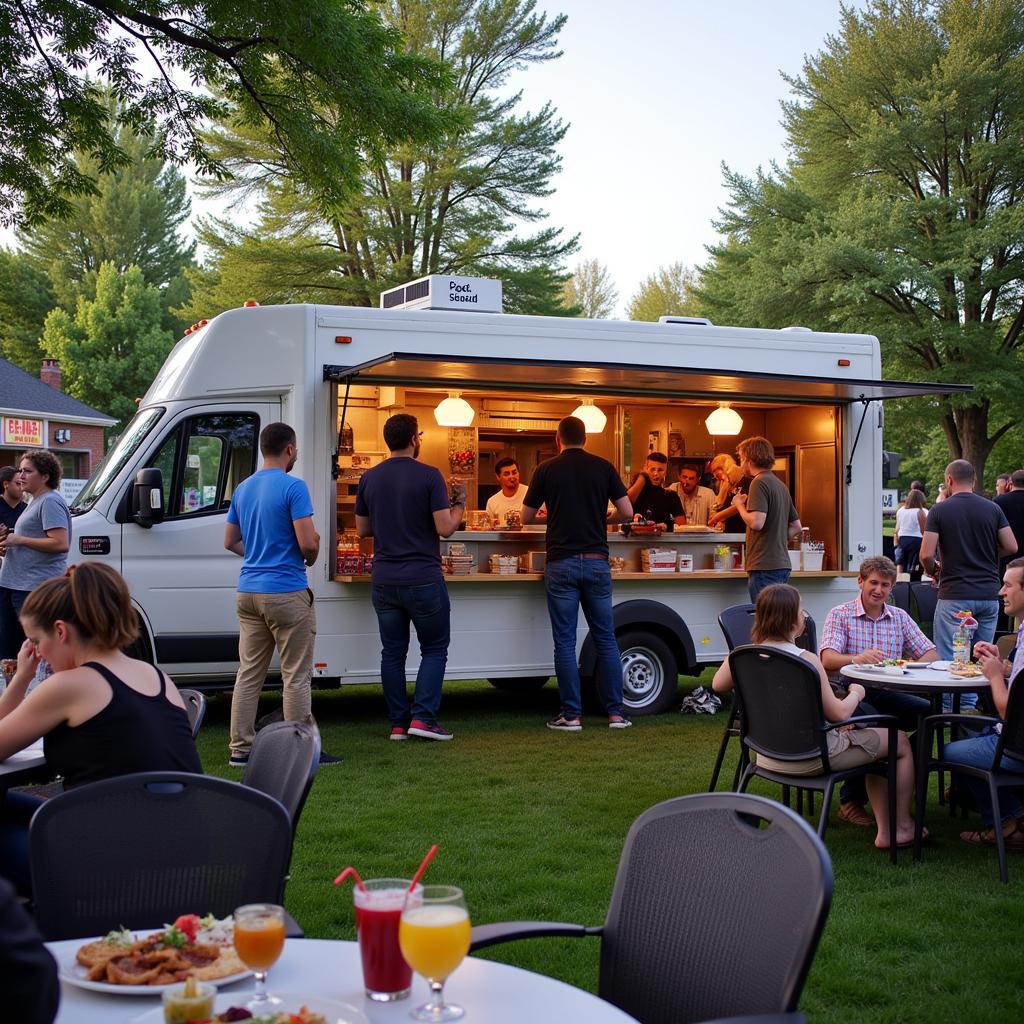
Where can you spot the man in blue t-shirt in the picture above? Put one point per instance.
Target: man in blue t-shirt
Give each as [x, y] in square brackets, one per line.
[404, 506]
[270, 525]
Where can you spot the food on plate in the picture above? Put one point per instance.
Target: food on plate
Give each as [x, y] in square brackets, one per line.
[967, 670]
[894, 662]
[192, 947]
[188, 1002]
[235, 1013]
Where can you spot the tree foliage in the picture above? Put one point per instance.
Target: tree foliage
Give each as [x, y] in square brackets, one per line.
[899, 212]
[113, 346]
[454, 205]
[666, 292]
[328, 79]
[590, 290]
[25, 298]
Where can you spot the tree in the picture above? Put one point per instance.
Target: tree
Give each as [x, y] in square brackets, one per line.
[663, 293]
[112, 348]
[25, 299]
[590, 290]
[899, 213]
[450, 206]
[275, 64]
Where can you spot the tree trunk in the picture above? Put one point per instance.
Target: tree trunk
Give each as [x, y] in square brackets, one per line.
[975, 444]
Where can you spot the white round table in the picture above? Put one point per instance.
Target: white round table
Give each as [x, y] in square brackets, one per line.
[915, 680]
[490, 993]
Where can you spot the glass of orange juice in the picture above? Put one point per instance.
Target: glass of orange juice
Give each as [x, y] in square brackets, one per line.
[259, 940]
[434, 937]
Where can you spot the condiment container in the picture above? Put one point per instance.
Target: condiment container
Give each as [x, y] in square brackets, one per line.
[180, 1008]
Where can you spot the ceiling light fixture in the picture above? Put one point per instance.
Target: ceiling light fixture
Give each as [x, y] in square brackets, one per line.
[724, 420]
[593, 419]
[454, 411]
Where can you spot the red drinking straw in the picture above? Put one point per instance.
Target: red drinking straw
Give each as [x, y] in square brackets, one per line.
[355, 874]
[423, 867]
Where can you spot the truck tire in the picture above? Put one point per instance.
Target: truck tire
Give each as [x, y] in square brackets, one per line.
[650, 677]
[519, 684]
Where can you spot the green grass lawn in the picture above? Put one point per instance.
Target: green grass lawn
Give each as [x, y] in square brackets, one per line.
[531, 823]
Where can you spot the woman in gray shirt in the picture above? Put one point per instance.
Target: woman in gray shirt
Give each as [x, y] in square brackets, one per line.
[37, 548]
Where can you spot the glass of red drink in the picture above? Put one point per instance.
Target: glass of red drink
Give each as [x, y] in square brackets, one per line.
[378, 905]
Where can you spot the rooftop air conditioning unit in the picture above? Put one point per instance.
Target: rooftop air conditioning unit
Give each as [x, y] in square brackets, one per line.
[692, 321]
[441, 291]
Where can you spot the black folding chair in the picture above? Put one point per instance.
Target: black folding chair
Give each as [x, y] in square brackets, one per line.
[139, 850]
[925, 595]
[195, 705]
[736, 623]
[1010, 743]
[283, 762]
[782, 718]
[899, 596]
[701, 880]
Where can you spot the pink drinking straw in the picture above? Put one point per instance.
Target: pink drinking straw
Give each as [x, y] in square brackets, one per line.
[355, 874]
[423, 867]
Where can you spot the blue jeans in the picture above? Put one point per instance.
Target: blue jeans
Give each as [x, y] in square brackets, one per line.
[428, 609]
[978, 751]
[944, 626]
[761, 578]
[571, 584]
[16, 812]
[11, 634]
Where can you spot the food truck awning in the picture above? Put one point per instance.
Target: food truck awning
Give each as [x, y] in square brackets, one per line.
[491, 373]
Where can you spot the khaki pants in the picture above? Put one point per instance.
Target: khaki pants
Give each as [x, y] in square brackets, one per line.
[266, 621]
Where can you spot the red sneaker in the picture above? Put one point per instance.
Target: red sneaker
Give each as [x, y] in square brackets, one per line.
[399, 732]
[429, 732]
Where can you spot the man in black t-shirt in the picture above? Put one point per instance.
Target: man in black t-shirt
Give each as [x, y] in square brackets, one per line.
[649, 497]
[973, 535]
[11, 500]
[576, 487]
[1011, 502]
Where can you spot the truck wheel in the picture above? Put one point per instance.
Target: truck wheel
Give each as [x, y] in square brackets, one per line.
[650, 677]
[520, 684]
[139, 648]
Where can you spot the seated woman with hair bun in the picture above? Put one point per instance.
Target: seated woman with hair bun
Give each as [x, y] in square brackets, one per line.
[101, 714]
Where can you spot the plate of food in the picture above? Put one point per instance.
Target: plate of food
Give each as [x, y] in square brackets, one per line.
[889, 667]
[129, 963]
[970, 670]
[293, 1009]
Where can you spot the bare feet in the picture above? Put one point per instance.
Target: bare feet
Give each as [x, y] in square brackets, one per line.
[904, 838]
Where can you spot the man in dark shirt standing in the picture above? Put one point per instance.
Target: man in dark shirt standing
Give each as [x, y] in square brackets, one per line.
[13, 503]
[1011, 501]
[972, 533]
[648, 496]
[576, 487]
[404, 506]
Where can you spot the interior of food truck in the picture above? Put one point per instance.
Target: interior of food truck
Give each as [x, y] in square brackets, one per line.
[806, 437]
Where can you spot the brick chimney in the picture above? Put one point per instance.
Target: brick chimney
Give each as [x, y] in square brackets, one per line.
[49, 373]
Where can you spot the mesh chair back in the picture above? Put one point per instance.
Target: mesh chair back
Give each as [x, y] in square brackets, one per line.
[718, 905]
[736, 622]
[283, 763]
[195, 705]
[780, 699]
[808, 639]
[900, 595]
[141, 849]
[1013, 722]
[925, 597]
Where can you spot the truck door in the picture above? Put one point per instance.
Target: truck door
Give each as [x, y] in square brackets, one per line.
[178, 570]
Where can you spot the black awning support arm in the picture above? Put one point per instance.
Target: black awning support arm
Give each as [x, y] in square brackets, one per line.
[849, 466]
[336, 468]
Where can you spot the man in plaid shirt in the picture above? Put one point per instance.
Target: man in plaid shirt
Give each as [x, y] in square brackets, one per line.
[867, 631]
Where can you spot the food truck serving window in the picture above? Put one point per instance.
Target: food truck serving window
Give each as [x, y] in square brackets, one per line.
[504, 374]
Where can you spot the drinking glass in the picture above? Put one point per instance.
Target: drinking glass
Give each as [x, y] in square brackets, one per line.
[434, 936]
[379, 903]
[259, 940]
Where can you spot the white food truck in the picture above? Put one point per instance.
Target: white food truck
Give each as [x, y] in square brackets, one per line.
[155, 508]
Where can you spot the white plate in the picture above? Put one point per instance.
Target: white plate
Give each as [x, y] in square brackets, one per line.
[940, 666]
[886, 670]
[333, 1011]
[74, 973]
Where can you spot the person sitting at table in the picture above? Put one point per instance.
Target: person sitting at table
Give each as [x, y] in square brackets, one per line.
[101, 714]
[28, 972]
[778, 621]
[867, 631]
[731, 481]
[979, 750]
[649, 497]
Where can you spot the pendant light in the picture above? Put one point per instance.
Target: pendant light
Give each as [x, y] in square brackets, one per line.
[593, 419]
[724, 420]
[454, 411]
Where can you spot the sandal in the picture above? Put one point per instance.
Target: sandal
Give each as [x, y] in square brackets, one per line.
[1012, 840]
[854, 814]
[907, 843]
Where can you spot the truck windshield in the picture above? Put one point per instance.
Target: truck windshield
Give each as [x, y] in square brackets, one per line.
[113, 462]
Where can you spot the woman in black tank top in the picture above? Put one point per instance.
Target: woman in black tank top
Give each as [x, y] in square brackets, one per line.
[101, 714]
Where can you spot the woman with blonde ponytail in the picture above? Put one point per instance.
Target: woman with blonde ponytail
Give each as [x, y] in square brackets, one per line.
[101, 714]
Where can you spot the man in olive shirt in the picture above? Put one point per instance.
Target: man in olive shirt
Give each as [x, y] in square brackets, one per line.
[769, 514]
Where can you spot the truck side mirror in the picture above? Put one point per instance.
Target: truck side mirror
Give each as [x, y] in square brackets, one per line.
[148, 497]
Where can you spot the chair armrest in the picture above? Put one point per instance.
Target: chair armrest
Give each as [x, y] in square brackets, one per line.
[484, 935]
[292, 928]
[932, 720]
[888, 721]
